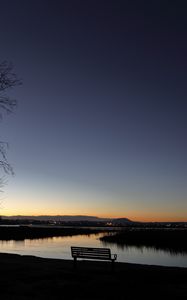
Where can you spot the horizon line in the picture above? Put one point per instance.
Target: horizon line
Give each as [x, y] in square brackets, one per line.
[93, 216]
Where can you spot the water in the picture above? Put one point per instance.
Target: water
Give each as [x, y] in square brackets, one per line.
[59, 247]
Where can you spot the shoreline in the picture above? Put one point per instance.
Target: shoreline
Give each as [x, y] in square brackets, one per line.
[31, 277]
[28, 232]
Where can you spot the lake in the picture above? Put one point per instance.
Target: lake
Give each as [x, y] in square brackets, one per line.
[59, 247]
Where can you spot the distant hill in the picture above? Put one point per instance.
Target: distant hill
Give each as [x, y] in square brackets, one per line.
[67, 218]
[121, 221]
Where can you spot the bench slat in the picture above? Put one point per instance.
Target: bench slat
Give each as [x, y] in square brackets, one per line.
[91, 252]
[91, 249]
[94, 257]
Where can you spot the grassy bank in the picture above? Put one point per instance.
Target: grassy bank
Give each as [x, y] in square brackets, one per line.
[160, 239]
[29, 232]
[27, 277]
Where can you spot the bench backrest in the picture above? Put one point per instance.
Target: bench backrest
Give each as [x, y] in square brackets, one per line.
[92, 253]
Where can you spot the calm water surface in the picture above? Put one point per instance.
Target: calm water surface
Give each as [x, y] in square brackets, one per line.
[59, 247]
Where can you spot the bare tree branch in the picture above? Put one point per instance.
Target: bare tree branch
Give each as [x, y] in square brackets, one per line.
[8, 80]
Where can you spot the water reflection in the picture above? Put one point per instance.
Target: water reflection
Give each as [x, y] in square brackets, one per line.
[59, 247]
[126, 247]
[12, 243]
[169, 241]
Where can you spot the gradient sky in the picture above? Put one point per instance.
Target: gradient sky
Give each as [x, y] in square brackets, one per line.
[101, 124]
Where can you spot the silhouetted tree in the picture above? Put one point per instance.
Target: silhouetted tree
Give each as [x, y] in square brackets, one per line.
[8, 80]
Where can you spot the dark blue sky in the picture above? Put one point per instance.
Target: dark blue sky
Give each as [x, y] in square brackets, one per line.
[101, 122]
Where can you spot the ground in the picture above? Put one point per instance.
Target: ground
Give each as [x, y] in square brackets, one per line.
[29, 277]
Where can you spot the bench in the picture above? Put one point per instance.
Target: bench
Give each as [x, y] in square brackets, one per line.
[92, 253]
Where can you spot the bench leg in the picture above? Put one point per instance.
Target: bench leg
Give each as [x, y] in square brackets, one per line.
[75, 263]
[112, 265]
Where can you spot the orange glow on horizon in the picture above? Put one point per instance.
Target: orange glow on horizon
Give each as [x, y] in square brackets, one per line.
[28, 207]
[150, 218]
[108, 208]
[135, 218]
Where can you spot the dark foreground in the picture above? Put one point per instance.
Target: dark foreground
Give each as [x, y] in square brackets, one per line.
[29, 277]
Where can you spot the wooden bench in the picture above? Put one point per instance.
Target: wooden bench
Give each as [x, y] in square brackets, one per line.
[92, 253]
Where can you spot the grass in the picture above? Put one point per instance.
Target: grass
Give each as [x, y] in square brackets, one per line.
[174, 241]
[29, 232]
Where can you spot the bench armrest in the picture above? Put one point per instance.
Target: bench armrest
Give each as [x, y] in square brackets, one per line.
[114, 256]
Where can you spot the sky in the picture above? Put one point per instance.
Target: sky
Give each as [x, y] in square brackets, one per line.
[100, 128]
